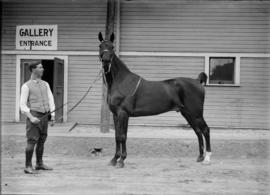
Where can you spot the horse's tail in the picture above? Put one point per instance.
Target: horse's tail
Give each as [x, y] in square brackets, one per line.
[202, 78]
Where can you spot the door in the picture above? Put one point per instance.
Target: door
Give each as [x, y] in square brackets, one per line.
[25, 76]
[54, 75]
[58, 88]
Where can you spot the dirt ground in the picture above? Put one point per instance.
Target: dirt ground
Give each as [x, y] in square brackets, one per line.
[153, 166]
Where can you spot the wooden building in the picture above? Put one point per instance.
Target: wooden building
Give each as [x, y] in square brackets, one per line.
[157, 39]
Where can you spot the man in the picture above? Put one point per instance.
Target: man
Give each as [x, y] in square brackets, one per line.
[36, 102]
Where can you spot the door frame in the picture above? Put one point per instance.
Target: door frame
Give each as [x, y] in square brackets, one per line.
[18, 80]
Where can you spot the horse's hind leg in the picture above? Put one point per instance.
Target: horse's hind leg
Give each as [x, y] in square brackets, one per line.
[201, 144]
[206, 132]
[194, 124]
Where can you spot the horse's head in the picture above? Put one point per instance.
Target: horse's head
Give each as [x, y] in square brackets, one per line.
[106, 51]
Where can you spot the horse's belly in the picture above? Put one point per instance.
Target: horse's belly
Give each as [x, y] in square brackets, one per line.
[138, 113]
[152, 106]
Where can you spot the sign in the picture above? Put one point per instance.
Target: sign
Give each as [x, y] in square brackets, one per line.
[36, 37]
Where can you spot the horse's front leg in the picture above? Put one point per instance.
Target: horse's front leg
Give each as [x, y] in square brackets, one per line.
[121, 136]
[117, 155]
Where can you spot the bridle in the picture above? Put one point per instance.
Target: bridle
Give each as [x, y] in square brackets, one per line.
[104, 73]
[110, 64]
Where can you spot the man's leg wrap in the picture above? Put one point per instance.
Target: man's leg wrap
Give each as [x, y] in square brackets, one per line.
[29, 153]
[39, 152]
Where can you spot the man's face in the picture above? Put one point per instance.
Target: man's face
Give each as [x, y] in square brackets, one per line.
[39, 70]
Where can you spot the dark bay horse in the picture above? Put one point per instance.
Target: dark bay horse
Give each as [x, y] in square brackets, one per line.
[129, 95]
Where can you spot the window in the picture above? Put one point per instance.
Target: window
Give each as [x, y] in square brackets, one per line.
[223, 71]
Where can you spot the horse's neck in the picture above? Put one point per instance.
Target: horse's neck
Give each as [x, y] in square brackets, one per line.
[119, 73]
[118, 69]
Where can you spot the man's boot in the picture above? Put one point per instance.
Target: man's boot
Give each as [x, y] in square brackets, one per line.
[39, 154]
[28, 159]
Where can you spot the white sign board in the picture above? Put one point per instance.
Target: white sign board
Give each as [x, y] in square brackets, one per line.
[36, 37]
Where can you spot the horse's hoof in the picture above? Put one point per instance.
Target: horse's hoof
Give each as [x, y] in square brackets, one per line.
[113, 162]
[206, 162]
[120, 165]
[200, 158]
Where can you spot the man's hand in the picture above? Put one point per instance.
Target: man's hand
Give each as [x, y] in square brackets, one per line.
[34, 120]
[52, 120]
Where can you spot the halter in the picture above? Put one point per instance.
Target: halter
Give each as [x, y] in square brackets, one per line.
[110, 65]
[103, 71]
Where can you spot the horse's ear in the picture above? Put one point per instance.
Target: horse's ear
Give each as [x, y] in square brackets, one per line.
[100, 37]
[112, 37]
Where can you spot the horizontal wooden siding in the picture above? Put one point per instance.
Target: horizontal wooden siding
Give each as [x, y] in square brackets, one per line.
[246, 106]
[78, 23]
[8, 87]
[82, 72]
[195, 26]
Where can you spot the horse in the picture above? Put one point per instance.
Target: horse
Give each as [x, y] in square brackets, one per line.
[130, 95]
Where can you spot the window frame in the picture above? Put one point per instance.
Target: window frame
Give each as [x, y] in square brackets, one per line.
[236, 70]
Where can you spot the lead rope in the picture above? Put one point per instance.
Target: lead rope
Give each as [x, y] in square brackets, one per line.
[73, 107]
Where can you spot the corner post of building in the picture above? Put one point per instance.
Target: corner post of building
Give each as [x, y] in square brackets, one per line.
[105, 113]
